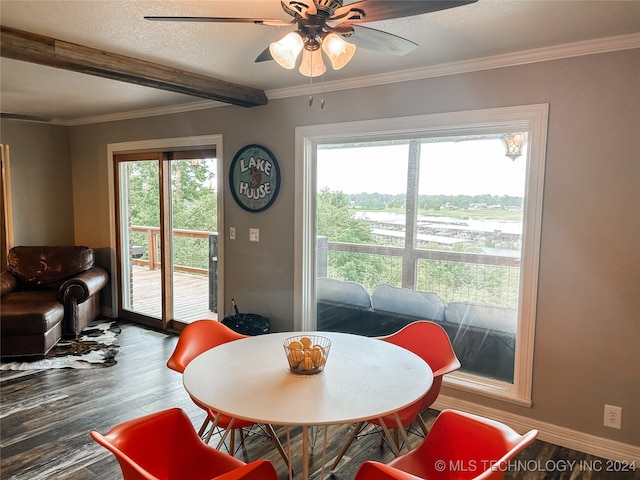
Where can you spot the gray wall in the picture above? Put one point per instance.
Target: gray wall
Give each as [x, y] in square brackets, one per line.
[42, 191]
[588, 327]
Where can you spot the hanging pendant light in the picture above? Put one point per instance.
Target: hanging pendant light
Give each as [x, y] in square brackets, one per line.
[286, 50]
[514, 142]
[312, 64]
[338, 51]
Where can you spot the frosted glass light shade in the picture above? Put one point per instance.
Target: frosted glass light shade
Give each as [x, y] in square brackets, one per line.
[338, 51]
[514, 144]
[286, 50]
[312, 64]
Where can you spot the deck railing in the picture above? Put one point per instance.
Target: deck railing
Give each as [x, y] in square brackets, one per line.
[151, 257]
[199, 258]
[493, 278]
[455, 276]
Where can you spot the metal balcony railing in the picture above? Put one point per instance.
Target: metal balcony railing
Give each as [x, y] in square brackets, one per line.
[455, 276]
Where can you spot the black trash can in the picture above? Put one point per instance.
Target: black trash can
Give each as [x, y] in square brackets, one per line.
[247, 323]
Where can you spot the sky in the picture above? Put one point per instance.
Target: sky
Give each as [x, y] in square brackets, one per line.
[472, 167]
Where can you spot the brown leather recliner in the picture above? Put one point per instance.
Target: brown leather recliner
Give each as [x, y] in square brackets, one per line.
[47, 293]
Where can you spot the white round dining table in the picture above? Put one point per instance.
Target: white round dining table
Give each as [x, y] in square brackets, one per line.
[363, 378]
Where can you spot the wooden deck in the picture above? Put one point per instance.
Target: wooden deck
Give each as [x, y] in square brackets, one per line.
[191, 297]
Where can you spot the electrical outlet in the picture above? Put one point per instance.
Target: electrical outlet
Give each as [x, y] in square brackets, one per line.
[254, 234]
[232, 233]
[612, 416]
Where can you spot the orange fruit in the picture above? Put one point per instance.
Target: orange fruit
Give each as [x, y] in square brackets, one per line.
[306, 342]
[292, 361]
[295, 345]
[295, 357]
[306, 363]
[316, 354]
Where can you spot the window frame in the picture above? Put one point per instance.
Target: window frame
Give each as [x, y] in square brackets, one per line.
[529, 118]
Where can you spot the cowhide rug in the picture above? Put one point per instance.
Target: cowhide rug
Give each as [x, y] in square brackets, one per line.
[94, 348]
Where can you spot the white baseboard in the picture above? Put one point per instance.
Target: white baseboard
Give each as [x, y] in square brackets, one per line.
[565, 437]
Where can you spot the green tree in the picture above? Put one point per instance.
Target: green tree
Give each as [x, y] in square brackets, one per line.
[336, 221]
[194, 198]
[193, 204]
[144, 193]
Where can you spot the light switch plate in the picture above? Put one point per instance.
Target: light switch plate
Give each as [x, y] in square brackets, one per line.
[232, 233]
[254, 234]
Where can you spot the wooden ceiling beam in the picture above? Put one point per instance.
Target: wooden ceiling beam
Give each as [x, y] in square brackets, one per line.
[34, 48]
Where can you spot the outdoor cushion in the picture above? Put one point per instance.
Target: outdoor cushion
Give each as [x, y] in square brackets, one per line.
[340, 291]
[425, 305]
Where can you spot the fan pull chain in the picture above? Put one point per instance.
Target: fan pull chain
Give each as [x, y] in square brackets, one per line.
[322, 102]
[311, 91]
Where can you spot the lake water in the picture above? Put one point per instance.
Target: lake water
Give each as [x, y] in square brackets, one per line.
[451, 223]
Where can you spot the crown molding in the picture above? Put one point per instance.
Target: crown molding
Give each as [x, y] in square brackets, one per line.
[557, 52]
[149, 112]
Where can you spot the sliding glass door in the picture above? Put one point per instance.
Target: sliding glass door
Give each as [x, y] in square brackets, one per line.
[167, 239]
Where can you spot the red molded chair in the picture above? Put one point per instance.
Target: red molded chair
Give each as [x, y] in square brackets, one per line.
[164, 446]
[196, 338]
[430, 342]
[461, 446]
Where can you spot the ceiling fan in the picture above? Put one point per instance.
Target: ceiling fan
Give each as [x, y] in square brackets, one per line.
[323, 25]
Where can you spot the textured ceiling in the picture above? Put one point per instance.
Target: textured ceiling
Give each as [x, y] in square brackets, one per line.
[227, 51]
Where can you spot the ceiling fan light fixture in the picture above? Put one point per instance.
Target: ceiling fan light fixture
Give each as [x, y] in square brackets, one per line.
[338, 50]
[286, 50]
[322, 25]
[312, 64]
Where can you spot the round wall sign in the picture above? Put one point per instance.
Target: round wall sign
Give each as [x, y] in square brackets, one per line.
[254, 178]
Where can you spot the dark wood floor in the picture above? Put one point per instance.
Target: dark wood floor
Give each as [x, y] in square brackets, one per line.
[45, 418]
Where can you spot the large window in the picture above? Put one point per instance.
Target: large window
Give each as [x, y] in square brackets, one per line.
[432, 217]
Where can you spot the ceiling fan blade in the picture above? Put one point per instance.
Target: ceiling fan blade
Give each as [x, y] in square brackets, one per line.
[299, 8]
[258, 21]
[311, 8]
[375, 10]
[372, 39]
